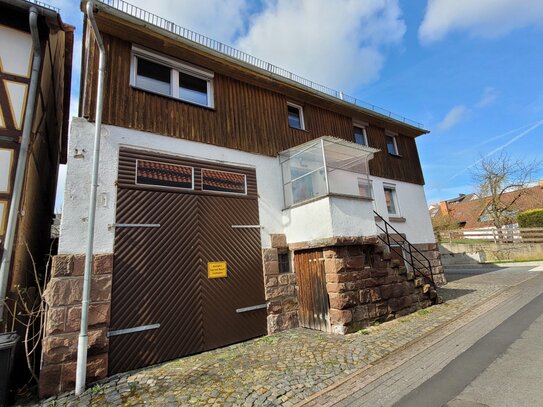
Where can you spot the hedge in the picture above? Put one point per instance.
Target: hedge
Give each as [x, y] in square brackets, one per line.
[531, 219]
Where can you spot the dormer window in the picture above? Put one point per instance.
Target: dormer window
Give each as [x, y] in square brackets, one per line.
[295, 116]
[165, 76]
[392, 145]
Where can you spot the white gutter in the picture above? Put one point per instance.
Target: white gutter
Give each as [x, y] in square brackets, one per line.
[82, 346]
[23, 157]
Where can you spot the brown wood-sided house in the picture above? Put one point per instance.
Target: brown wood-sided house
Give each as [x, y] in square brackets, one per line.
[235, 199]
[28, 169]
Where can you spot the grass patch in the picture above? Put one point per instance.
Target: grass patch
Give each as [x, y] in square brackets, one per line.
[364, 332]
[424, 312]
[97, 389]
[468, 241]
[272, 340]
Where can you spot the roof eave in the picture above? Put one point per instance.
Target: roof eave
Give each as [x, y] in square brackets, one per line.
[99, 6]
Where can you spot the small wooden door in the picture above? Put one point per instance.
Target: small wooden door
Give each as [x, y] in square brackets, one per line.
[312, 295]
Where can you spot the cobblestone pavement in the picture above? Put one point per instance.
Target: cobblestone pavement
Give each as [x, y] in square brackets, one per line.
[285, 368]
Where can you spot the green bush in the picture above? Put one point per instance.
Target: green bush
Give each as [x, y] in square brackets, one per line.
[531, 219]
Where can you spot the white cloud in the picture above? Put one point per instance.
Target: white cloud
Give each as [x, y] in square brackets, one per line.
[453, 117]
[341, 44]
[221, 20]
[489, 95]
[338, 45]
[483, 18]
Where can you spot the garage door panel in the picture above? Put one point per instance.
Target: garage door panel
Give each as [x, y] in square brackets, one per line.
[244, 286]
[160, 273]
[152, 287]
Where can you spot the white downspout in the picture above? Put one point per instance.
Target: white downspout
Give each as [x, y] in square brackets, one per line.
[82, 346]
[23, 156]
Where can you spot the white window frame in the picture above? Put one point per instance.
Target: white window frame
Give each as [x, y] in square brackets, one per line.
[363, 126]
[394, 137]
[395, 199]
[175, 67]
[301, 111]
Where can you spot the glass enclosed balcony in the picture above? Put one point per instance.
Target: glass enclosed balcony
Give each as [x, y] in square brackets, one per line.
[326, 166]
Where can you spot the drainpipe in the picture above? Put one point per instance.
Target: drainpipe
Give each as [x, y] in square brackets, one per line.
[82, 346]
[23, 156]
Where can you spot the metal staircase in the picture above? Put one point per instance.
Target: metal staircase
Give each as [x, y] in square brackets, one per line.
[419, 263]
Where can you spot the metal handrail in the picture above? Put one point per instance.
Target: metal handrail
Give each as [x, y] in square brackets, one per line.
[200, 39]
[410, 247]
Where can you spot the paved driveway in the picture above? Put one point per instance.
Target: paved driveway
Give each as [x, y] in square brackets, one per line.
[285, 368]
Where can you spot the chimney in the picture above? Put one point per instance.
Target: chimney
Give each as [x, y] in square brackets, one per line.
[444, 207]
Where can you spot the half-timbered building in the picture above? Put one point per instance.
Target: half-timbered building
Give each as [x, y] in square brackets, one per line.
[35, 76]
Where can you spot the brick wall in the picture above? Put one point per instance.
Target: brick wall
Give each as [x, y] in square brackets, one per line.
[63, 297]
[365, 285]
[280, 288]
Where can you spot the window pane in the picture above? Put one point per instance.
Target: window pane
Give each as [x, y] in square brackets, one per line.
[312, 185]
[364, 188]
[359, 136]
[294, 119]
[221, 181]
[391, 146]
[153, 76]
[164, 174]
[390, 199]
[192, 89]
[284, 263]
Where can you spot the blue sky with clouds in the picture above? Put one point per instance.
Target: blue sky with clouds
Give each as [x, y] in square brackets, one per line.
[470, 71]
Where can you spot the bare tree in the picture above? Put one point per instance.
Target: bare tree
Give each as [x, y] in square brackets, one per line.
[501, 181]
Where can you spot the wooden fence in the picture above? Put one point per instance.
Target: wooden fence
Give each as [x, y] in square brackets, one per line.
[505, 235]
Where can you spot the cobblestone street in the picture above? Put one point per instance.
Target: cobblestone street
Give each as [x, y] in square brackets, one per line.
[285, 368]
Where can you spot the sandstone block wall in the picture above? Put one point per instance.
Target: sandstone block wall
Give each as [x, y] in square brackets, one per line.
[431, 252]
[280, 288]
[63, 319]
[365, 285]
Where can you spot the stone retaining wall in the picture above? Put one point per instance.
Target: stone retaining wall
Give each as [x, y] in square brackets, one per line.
[431, 251]
[365, 285]
[489, 252]
[63, 319]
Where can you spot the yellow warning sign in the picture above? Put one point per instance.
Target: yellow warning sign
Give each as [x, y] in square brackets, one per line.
[216, 269]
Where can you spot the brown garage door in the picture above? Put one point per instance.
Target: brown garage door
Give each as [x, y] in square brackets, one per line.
[173, 218]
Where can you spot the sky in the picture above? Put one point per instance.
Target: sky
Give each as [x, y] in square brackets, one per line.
[470, 71]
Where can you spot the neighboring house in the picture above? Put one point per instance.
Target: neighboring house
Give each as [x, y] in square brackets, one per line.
[472, 212]
[231, 194]
[28, 181]
[48, 128]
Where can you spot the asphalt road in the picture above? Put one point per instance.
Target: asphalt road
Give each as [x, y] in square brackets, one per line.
[489, 356]
[503, 368]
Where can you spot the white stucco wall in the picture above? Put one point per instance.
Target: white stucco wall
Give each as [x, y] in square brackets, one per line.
[327, 217]
[308, 222]
[412, 206]
[76, 202]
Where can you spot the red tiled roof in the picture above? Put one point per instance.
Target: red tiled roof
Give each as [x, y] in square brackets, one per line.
[467, 213]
